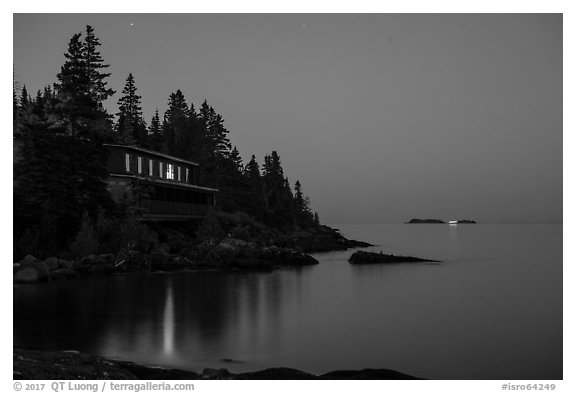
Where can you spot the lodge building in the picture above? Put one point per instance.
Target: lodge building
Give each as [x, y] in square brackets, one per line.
[163, 187]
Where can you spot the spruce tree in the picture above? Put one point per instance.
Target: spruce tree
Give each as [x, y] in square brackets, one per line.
[279, 201]
[155, 137]
[217, 133]
[130, 126]
[38, 105]
[76, 107]
[302, 206]
[235, 158]
[175, 123]
[25, 99]
[95, 66]
[256, 200]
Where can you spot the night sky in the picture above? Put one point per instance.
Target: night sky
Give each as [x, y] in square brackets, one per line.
[382, 117]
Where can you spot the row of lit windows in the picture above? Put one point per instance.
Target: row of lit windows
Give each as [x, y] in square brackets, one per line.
[172, 172]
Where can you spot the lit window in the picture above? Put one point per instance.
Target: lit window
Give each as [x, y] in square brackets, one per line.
[151, 167]
[179, 174]
[127, 156]
[161, 168]
[139, 164]
[186, 175]
[170, 171]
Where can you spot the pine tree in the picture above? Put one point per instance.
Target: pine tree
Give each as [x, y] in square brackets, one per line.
[252, 171]
[155, 137]
[302, 202]
[213, 150]
[95, 66]
[76, 108]
[175, 123]
[235, 158]
[130, 127]
[21, 107]
[235, 189]
[49, 98]
[38, 105]
[189, 137]
[279, 201]
[256, 198]
[25, 99]
[218, 141]
[316, 219]
[302, 206]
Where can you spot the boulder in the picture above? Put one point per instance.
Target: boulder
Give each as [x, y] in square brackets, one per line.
[64, 273]
[64, 264]
[364, 257]
[32, 272]
[87, 260]
[28, 259]
[235, 243]
[52, 263]
[212, 373]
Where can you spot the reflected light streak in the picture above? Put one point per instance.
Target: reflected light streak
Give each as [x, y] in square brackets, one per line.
[169, 320]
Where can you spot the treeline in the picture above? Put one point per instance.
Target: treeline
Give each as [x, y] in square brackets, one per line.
[61, 175]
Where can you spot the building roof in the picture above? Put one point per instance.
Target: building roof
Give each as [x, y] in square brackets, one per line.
[152, 152]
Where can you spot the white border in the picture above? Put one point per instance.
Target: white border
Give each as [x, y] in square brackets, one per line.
[419, 6]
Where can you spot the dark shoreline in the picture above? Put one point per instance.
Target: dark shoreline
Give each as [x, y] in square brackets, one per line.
[32, 364]
[222, 254]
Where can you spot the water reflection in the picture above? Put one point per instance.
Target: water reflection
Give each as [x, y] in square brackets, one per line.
[169, 320]
[205, 316]
[453, 241]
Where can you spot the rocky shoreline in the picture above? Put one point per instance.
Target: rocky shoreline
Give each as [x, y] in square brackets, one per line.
[70, 365]
[250, 253]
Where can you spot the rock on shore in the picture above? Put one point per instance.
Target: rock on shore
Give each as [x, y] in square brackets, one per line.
[364, 257]
[229, 254]
[71, 365]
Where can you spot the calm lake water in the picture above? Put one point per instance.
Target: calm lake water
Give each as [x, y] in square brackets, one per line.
[491, 310]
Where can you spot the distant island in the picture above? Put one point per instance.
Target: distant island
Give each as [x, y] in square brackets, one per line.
[436, 221]
[426, 221]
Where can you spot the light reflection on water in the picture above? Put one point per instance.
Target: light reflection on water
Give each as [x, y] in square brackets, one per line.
[169, 320]
[492, 310]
